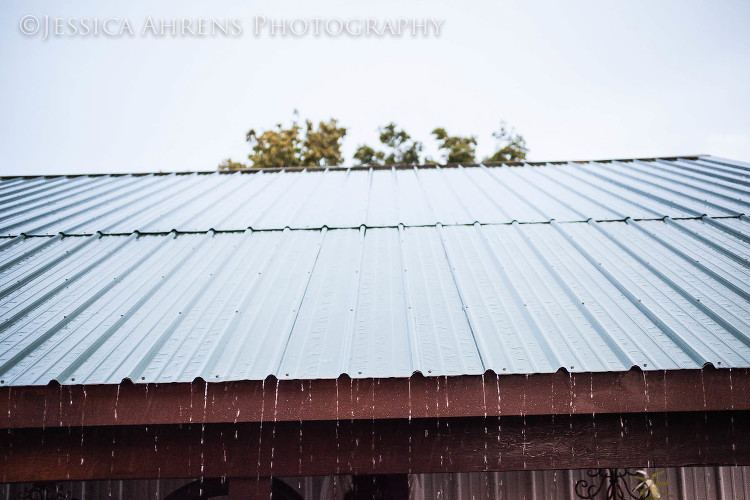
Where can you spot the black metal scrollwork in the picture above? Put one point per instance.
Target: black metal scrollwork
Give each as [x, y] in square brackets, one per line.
[45, 491]
[612, 482]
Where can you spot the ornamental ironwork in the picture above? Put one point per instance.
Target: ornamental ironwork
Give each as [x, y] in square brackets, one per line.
[47, 490]
[610, 484]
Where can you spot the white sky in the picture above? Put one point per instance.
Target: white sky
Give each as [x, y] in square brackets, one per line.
[579, 79]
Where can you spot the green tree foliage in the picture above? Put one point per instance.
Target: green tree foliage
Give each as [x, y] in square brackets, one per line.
[322, 146]
[366, 155]
[278, 147]
[229, 164]
[510, 145]
[457, 149]
[298, 146]
[286, 147]
[401, 149]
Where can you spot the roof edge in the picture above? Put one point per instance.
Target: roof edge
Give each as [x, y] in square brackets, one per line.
[344, 398]
[345, 168]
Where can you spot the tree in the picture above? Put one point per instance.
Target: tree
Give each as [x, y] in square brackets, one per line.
[458, 149]
[404, 150]
[229, 164]
[285, 147]
[323, 146]
[365, 155]
[278, 147]
[510, 145]
[401, 149]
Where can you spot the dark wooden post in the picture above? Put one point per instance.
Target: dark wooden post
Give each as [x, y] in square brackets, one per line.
[241, 488]
[381, 487]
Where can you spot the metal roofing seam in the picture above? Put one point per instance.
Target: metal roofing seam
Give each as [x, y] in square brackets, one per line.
[311, 199]
[693, 262]
[709, 242]
[580, 305]
[542, 339]
[692, 299]
[695, 182]
[451, 268]
[353, 168]
[278, 356]
[674, 336]
[715, 172]
[413, 344]
[711, 220]
[681, 192]
[732, 170]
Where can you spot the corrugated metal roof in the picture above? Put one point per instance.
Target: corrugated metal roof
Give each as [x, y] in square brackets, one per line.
[372, 197]
[518, 298]
[412, 293]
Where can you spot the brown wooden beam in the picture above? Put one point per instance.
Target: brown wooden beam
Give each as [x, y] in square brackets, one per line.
[419, 397]
[400, 446]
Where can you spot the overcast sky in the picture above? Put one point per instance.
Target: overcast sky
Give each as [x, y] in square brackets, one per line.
[580, 80]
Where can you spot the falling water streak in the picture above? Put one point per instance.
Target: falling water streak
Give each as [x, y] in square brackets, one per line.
[409, 386]
[499, 424]
[273, 428]
[554, 484]
[649, 423]
[299, 466]
[61, 410]
[523, 423]
[705, 413]
[117, 400]
[203, 432]
[112, 462]
[338, 444]
[237, 415]
[593, 417]
[571, 396]
[352, 401]
[437, 402]
[666, 414]
[372, 430]
[190, 456]
[83, 420]
[44, 417]
[447, 421]
[486, 430]
[158, 484]
[260, 429]
[223, 447]
[731, 417]
[205, 401]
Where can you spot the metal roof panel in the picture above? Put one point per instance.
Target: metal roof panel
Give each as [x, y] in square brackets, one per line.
[350, 198]
[446, 271]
